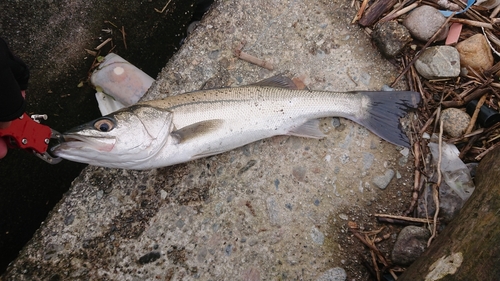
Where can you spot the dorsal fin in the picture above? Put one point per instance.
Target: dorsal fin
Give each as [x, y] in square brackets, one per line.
[277, 81]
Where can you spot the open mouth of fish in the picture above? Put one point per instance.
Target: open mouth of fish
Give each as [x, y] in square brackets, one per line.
[70, 141]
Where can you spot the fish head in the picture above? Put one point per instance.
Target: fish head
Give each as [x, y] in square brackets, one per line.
[125, 138]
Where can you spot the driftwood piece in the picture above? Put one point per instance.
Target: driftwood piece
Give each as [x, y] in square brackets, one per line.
[469, 247]
[376, 10]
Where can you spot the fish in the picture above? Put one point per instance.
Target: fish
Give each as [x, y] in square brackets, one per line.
[185, 127]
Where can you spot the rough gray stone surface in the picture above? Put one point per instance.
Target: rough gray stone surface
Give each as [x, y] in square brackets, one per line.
[391, 38]
[439, 62]
[410, 244]
[271, 210]
[424, 21]
[383, 181]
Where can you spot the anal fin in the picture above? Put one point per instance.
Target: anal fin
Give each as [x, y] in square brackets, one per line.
[310, 129]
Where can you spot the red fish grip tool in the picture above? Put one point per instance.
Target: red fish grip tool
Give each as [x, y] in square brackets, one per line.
[28, 134]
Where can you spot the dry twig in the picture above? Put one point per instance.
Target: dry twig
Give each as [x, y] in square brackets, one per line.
[164, 8]
[410, 219]
[102, 44]
[251, 59]
[123, 36]
[435, 187]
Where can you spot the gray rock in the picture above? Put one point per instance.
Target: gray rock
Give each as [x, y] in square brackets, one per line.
[439, 62]
[410, 244]
[333, 274]
[383, 181]
[272, 211]
[424, 21]
[455, 121]
[317, 236]
[390, 38]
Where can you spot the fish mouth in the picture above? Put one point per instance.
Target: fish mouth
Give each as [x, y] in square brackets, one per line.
[70, 142]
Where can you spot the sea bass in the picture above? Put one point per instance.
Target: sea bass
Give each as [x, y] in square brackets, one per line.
[189, 126]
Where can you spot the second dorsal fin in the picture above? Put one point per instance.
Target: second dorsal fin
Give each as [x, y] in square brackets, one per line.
[277, 81]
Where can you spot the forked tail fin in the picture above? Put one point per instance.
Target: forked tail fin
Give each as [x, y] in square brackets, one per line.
[383, 112]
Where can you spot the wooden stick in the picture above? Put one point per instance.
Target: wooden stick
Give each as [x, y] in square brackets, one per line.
[370, 246]
[102, 44]
[374, 258]
[435, 187]
[416, 183]
[123, 36]
[394, 14]
[411, 219]
[476, 113]
[495, 12]
[251, 59]
[473, 23]
[375, 11]
[164, 7]
[474, 95]
[360, 11]
[482, 154]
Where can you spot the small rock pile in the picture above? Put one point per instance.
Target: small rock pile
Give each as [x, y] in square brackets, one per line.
[450, 61]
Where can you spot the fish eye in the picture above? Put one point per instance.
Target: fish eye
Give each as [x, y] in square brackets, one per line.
[104, 125]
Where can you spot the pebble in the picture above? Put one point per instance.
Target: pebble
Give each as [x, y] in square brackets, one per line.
[333, 274]
[410, 244]
[299, 173]
[439, 62]
[272, 211]
[343, 217]
[424, 21]
[391, 38]
[317, 236]
[368, 159]
[383, 181]
[455, 121]
[475, 53]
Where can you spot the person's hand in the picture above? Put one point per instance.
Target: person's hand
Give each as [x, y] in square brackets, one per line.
[3, 145]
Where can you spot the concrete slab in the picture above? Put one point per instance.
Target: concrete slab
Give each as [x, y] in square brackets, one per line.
[276, 209]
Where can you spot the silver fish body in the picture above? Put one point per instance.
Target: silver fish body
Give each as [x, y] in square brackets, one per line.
[189, 126]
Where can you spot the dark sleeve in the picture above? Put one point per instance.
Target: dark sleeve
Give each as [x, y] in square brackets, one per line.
[14, 76]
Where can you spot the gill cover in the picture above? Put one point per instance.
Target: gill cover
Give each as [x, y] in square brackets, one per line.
[126, 137]
[140, 132]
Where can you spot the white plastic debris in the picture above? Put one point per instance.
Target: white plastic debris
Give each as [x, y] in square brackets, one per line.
[455, 173]
[122, 83]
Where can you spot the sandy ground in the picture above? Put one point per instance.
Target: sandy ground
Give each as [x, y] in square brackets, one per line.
[276, 209]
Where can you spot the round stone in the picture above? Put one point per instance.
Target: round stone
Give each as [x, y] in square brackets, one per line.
[475, 53]
[455, 122]
[424, 21]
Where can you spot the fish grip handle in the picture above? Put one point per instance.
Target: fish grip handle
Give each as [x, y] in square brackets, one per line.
[28, 134]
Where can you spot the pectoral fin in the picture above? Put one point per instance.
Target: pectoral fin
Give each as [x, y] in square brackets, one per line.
[196, 130]
[310, 129]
